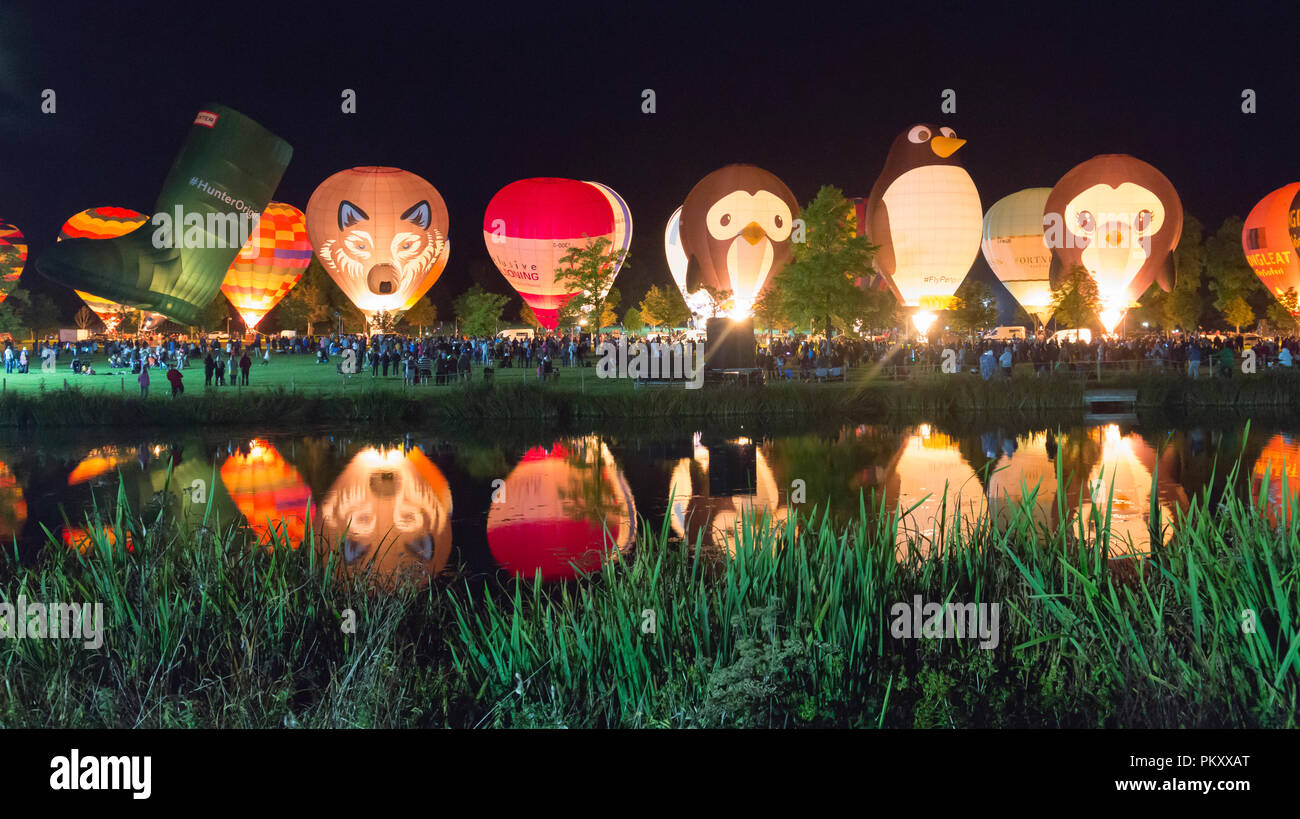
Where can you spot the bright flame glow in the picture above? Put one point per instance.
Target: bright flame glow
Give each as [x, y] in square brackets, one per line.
[1111, 315]
[741, 309]
[922, 320]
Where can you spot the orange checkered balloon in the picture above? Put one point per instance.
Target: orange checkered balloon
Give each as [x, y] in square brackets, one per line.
[270, 264]
[13, 256]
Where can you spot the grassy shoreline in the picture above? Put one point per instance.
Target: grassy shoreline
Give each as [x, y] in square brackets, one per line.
[572, 400]
[792, 628]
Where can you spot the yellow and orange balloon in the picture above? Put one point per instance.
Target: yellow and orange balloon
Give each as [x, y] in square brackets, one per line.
[106, 222]
[271, 262]
[13, 257]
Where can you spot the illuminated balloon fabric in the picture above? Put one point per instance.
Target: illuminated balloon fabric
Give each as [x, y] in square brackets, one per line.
[270, 264]
[622, 239]
[1278, 462]
[545, 524]
[102, 223]
[1271, 239]
[924, 213]
[736, 226]
[700, 303]
[392, 511]
[269, 492]
[224, 174]
[529, 225]
[13, 506]
[1120, 218]
[1014, 248]
[13, 257]
[381, 233]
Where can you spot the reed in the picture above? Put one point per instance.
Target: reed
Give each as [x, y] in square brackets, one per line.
[791, 624]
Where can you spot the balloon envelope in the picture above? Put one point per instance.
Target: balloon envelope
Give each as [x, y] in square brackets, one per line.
[1014, 248]
[13, 257]
[1120, 218]
[1271, 239]
[269, 492]
[381, 233]
[529, 225]
[270, 263]
[736, 225]
[106, 222]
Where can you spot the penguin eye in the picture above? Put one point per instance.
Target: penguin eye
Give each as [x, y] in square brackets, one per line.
[919, 134]
[948, 132]
[779, 221]
[1143, 221]
[1085, 220]
[725, 220]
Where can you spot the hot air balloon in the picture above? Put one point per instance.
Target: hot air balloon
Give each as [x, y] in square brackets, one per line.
[924, 214]
[1271, 239]
[1013, 246]
[529, 225]
[391, 510]
[271, 263]
[269, 492]
[382, 235]
[13, 257]
[700, 303]
[622, 239]
[1119, 218]
[107, 222]
[563, 507]
[736, 225]
[223, 176]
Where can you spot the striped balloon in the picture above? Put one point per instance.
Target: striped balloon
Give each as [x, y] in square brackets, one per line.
[13, 256]
[271, 263]
[107, 222]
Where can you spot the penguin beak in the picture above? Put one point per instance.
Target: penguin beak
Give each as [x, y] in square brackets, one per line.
[946, 146]
[753, 233]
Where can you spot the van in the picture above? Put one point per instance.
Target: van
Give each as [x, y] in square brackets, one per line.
[517, 334]
[1006, 333]
[1081, 334]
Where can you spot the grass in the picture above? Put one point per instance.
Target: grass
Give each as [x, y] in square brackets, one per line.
[794, 629]
[294, 390]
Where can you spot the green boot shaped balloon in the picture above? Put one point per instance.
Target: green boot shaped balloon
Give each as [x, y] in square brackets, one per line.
[225, 175]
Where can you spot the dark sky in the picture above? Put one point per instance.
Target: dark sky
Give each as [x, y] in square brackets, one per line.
[472, 96]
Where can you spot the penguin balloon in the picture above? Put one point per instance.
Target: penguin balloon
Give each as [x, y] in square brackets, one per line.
[924, 212]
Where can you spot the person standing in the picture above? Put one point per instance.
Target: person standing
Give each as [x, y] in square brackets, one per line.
[209, 368]
[174, 376]
[245, 364]
[144, 382]
[220, 371]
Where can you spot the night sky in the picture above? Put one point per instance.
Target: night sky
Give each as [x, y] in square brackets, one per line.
[473, 96]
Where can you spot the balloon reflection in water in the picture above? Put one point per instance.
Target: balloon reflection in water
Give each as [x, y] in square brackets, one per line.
[931, 484]
[1025, 476]
[101, 461]
[13, 506]
[696, 515]
[269, 492]
[391, 511]
[1123, 478]
[560, 508]
[1279, 462]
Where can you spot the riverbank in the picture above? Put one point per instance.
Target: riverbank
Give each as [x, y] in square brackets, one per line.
[793, 625]
[281, 398]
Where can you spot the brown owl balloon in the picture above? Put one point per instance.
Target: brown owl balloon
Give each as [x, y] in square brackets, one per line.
[1121, 219]
[736, 226]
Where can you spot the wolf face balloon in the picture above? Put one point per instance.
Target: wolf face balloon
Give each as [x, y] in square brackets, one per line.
[382, 235]
[1121, 219]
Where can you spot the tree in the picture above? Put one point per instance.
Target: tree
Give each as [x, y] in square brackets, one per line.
[607, 315]
[588, 272]
[975, 308]
[1077, 300]
[84, 318]
[664, 307]
[768, 313]
[1231, 277]
[1280, 318]
[128, 320]
[11, 315]
[213, 317]
[423, 314]
[1238, 313]
[40, 313]
[383, 322]
[313, 299]
[479, 312]
[819, 284]
[632, 321]
[527, 316]
[1184, 306]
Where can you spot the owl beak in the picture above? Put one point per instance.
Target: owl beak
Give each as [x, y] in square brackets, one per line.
[753, 233]
[946, 146]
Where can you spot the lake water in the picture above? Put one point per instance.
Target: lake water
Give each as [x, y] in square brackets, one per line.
[475, 502]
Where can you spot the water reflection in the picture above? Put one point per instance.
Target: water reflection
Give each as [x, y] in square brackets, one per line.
[563, 508]
[1276, 477]
[568, 503]
[390, 513]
